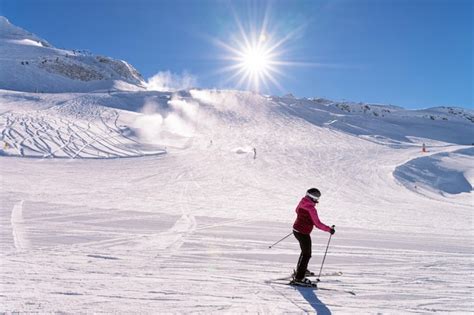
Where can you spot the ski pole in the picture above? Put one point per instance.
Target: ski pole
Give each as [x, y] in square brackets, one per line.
[280, 240]
[324, 258]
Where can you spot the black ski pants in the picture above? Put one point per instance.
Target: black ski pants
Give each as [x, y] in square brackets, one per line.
[305, 256]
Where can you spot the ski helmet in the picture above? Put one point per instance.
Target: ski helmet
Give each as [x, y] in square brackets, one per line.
[313, 193]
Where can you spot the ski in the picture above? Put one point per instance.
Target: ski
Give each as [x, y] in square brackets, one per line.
[313, 287]
[291, 283]
[330, 274]
[296, 284]
[312, 274]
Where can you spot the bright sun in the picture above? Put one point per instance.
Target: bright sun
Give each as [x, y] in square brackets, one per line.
[254, 58]
[254, 61]
[256, 54]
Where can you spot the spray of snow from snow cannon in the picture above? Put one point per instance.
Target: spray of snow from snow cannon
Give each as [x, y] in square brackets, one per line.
[150, 123]
[166, 81]
[167, 124]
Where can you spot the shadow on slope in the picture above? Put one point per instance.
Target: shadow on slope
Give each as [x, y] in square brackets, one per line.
[388, 125]
[443, 172]
[313, 300]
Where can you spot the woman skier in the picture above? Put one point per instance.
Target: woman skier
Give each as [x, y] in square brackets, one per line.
[307, 217]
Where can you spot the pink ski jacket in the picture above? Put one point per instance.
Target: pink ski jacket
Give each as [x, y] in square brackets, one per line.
[307, 217]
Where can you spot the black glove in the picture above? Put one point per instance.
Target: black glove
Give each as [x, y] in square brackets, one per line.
[332, 231]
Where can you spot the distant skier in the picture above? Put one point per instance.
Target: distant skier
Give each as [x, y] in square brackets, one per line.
[307, 217]
[254, 153]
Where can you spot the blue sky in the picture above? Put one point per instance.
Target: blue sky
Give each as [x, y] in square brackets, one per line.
[412, 53]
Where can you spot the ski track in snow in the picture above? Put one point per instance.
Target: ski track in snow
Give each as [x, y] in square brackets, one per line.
[117, 260]
[198, 278]
[189, 231]
[20, 239]
[184, 227]
[43, 134]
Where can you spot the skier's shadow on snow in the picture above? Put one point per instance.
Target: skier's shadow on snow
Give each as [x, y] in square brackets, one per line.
[310, 296]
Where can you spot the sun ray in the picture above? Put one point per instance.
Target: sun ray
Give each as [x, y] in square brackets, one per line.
[255, 53]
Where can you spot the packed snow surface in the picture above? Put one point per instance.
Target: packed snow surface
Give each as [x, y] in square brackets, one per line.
[185, 225]
[132, 201]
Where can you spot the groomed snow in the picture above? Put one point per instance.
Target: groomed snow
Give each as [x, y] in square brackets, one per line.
[121, 200]
[188, 230]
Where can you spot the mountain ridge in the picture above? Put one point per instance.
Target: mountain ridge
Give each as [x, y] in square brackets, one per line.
[85, 98]
[31, 64]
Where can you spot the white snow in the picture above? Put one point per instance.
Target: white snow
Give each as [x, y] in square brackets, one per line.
[30, 64]
[27, 41]
[152, 202]
[19, 236]
[442, 172]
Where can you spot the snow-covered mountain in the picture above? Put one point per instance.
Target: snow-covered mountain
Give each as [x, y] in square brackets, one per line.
[184, 226]
[29, 63]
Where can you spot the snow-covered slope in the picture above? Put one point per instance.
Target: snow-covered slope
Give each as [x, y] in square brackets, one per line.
[76, 125]
[450, 172]
[184, 226]
[29, 63]
[384, 123]
[9, 31]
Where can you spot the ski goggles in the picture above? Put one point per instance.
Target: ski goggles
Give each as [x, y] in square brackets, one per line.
[315, 198]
